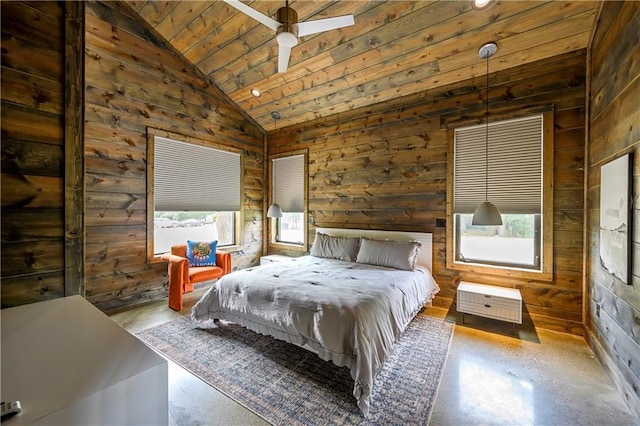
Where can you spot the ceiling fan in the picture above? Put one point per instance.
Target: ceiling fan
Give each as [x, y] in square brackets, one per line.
[288, 29]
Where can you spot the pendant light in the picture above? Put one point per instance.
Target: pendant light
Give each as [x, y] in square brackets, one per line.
[487, 214]
[274, 209]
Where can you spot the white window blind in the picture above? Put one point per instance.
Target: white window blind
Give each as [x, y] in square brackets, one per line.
[190, 177]
[515, 166]
[288, 183]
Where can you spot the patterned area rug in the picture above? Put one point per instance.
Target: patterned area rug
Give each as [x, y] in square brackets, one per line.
[285, 384]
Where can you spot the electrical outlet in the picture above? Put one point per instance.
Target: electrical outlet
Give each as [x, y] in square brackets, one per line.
[598, 310]
[441, 223]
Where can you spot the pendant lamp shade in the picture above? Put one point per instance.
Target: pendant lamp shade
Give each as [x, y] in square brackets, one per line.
[274, 209]
[486, 214]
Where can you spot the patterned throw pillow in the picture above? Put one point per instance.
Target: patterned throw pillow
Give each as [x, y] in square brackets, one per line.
[201, 253]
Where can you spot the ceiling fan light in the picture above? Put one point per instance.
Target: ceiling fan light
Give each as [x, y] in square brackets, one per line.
[287, 39]
[274, 211]
[486, 214]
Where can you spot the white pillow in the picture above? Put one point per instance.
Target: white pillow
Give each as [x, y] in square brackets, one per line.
[335, 247]
[392, 254]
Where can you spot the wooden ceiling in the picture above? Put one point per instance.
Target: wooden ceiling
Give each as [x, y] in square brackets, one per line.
[395, 48]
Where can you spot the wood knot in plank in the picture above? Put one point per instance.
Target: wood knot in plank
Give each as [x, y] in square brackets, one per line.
[107, 96]
[114, 32]
[508, 94]
[103, 254]
[41, 97]
[425, 137]
[29, 258]
[574, 82]
[97, 180]
[374, 41]
[100, 153]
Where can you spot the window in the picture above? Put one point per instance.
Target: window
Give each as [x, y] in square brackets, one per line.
[194, 192]
[288, 189]
[515, 244]
[518, 184]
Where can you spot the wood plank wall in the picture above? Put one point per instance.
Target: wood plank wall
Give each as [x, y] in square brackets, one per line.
[33, 47]
[385, 168]
[133, 80]
[613, 305]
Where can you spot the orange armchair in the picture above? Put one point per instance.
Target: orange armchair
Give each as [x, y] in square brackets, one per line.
[182, 276]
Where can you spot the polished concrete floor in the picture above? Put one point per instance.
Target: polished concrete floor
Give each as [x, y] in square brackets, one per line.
[493, 376]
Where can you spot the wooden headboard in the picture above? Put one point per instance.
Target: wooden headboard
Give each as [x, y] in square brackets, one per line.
[426, 239]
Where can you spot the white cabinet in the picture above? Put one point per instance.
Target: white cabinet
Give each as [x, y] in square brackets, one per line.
[490, 301]
[68, 363]
[274, 258]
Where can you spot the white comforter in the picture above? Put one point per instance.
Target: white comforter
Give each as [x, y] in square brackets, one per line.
[349, 313]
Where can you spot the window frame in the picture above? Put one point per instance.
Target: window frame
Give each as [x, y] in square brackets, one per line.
[273, 244]
[546, 239]
[152, 133]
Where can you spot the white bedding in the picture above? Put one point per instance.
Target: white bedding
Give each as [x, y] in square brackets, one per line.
[349, 313]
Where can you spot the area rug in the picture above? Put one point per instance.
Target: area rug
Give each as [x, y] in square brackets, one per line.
[285, 384]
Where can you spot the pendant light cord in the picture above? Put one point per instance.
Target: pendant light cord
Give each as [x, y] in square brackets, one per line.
[274, 209]
[486, 140]
[275, 141]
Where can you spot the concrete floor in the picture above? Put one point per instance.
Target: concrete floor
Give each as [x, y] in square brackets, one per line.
[535, 377]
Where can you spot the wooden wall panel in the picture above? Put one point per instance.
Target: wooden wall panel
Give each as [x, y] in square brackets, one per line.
[134, 81]
[74, 231]
[32, 143]
[613, 305]
[384, 167]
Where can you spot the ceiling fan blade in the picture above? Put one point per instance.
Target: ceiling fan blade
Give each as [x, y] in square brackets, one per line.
[283, 58]
[312, 27]
[263, 19]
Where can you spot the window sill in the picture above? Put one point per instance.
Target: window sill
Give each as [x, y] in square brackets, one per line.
[155, 259]
[230, 249]
[288, 246]
[501, 271]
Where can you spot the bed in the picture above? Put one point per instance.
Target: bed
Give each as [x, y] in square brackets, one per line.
[348, 301]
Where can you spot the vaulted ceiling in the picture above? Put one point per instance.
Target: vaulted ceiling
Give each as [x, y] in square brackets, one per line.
[395, 48]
